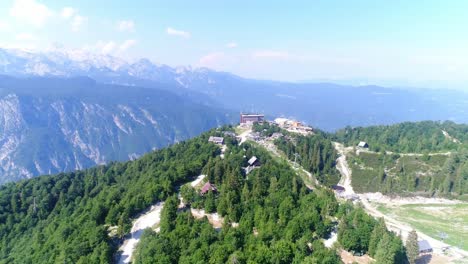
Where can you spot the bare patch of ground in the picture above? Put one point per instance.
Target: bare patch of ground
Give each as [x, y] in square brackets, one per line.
[214, 218]
[348, 258]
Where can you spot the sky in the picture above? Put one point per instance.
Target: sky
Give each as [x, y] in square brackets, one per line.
[369, 41]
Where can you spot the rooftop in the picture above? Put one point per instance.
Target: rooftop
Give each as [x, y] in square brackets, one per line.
[208, 187]
[252, 160]
[424, 245]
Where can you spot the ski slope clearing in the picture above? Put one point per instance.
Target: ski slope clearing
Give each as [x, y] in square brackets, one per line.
[146, 220]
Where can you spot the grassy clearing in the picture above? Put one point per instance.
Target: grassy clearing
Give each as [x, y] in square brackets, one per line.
[239, 130]
[432, 219]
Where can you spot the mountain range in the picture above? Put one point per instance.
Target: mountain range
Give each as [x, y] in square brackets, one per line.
[324, 105]
[51, 125]
[63, 110]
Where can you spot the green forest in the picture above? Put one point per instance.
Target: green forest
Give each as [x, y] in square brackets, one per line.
[408, 137]
[64, 218]
[277, 217]
[437, 164]
[277, 220]
[361, 233]
[426, 175]
[315, 152]
[269, 215]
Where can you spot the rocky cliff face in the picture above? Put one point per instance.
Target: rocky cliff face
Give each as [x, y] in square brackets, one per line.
[48, 133]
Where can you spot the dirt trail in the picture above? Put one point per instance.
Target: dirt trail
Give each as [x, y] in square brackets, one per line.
[296, 166]
[343, 168]
[448, 153]
[392, 224]
[244, 135]
[146, 220]
[149, 219]
[448, 136]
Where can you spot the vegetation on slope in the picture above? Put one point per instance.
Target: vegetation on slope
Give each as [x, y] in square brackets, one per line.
[63, 218]
[277, 217]
[360, 233]
[429, 175]
[66, 218]
[425, 158]
[315, 152]
[407, 137]
[279, 220]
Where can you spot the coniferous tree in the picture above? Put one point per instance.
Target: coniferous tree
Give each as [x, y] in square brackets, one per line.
[384, 254]
[412, 247]
[378, 232]
[169, 214]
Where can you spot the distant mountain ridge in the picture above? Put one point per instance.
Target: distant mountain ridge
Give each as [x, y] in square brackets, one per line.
[51, 125]
[324, 105]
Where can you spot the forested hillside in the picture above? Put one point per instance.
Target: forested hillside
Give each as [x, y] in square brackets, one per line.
[64, 218]
[277, 217]
[427, 175]
[408, 137]
[269, 214]
[315, 152]
[425, 158]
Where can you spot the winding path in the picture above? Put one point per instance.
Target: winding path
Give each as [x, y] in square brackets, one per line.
[146, 220]
[149, 219]
[392, 223]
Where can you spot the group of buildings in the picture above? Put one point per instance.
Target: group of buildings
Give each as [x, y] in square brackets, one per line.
[293, 126]
[287, 124]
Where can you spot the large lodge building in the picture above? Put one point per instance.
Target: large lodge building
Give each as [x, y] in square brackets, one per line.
[251, 118]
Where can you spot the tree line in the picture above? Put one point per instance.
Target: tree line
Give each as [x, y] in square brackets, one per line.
[360, 233]
[278, 219]
[408, 137]
[65, 218]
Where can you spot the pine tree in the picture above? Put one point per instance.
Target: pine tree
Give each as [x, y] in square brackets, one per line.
[377, 234]
[169, 214]
[384, 254]
[412, 247]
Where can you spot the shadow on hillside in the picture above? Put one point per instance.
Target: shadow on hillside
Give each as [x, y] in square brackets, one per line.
[424, 259]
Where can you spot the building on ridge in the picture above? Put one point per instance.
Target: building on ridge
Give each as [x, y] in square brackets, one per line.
[208, 187]
[251, 118]
[363, 144]
[216, 140]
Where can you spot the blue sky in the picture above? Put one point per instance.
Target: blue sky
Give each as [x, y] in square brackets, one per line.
[390, 42]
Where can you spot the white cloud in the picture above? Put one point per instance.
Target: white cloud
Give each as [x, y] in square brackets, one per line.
[126, 25]
[68, 12]
[31, 12]
[271, 54]
[107, 47]
[179, 33]
[231, 45]
[78, 22]
[110, 47]
[212, 59]
[127, 44]
[25, 37]
[4, 26]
